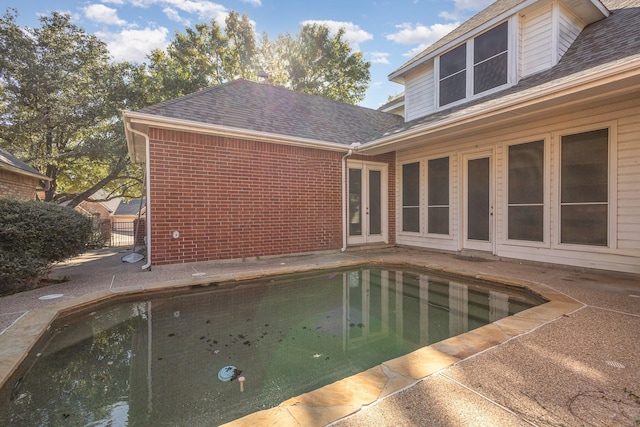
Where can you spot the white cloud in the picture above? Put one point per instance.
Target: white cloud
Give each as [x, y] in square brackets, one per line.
[353, 34]
[462, 9]
[174, 16]
[118, 2]
[253, 2]
[204, 9]
[103, 14]
[379, 57]
[410, 34]
[134, 45]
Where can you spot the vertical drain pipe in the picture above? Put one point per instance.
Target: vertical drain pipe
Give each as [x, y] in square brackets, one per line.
[345, 225]
[148, 189]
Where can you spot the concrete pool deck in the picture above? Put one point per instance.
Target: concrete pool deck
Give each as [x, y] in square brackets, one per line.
[572, 361]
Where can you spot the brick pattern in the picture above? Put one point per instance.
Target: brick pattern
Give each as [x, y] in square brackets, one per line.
[17, 186]
[231, 198]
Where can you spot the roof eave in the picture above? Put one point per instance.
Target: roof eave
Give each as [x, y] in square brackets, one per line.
[19, 171]
[132, 118]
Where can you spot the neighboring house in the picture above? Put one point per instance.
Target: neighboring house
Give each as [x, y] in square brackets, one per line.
[128, 211]
[18, 179]
[520, 139]
[98, 205]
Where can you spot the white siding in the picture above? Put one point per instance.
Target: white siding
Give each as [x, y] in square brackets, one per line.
[536, 46]
[419, 94]
[624, 251]
[569, 28]
[629, 183]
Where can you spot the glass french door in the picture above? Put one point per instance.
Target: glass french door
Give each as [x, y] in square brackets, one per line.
[367, 210]
[478, 202]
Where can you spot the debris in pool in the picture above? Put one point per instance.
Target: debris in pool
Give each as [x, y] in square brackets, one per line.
[51, 296]
[202, 337]
[315, 356]
[216, 351]
[171, 335]
[208, 321]
[229, 373]
[247, 343]
[241, 336]
[241, 381]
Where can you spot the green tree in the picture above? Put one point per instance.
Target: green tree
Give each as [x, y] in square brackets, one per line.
[204, 56]
[321, 64]
[313, 62]
[58, 107]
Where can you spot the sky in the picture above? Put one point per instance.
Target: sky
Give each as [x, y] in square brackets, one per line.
[387, 32]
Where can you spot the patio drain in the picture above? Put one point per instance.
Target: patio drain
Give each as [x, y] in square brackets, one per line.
[615, 364]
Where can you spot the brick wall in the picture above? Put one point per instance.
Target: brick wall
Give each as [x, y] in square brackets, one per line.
[232, 198]
[17, 185]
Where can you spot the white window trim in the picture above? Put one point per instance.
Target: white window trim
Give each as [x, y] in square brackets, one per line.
[612, 212]
[512, 66]
[546, 200]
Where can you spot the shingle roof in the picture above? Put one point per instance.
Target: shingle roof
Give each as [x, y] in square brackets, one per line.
[602, 45]
[265, 108]
[132, 207]
[9, 160]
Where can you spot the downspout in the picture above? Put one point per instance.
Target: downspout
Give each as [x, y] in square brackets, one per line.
[345, 225]
[148, 189]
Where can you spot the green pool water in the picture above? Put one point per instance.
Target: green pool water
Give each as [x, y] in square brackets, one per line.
[155, 362]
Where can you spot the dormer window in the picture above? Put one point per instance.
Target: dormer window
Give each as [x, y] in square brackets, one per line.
[475, 67]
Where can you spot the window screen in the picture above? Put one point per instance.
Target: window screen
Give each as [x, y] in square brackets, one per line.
[490, 59]
[438, 196]
[584, 188]
[453, 75]
[411, 197]
[526, 192]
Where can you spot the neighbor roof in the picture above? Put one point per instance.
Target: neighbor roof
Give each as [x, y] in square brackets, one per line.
[10, 162]
[265, 108]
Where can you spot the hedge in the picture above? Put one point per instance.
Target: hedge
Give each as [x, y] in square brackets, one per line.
[33, 236]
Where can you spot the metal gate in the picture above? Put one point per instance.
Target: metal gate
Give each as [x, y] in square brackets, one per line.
[122, 233]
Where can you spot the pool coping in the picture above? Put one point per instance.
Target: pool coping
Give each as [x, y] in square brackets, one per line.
[342, 398]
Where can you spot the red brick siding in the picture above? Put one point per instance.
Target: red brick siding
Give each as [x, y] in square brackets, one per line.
[17, 185]
[231, 198]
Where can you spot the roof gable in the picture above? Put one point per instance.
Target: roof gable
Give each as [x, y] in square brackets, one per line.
[589, 10]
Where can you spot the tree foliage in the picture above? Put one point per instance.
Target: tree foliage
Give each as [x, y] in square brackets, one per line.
[313, 62]
[204, 56]
[59, 105]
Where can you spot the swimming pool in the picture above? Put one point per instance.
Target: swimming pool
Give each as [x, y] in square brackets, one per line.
[156, 362]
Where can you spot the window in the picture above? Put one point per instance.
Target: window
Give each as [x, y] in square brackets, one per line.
[526, 192]
[488, 66]
[438, 196]
[411, 197]
[584, 188]
[490, 59]
[453, 75]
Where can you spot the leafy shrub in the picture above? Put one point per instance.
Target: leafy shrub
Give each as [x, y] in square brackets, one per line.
[34, 235]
